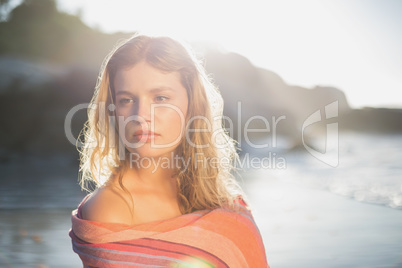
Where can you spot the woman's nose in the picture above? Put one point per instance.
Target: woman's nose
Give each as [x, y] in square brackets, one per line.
[144, 110]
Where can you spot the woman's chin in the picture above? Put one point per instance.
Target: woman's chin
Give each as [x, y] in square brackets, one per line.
[141, 154]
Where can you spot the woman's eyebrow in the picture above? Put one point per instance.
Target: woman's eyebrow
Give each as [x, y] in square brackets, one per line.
[123, 92]
[153, 90]
[160, 89]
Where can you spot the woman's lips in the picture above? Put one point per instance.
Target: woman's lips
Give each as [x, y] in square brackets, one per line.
[145, 136]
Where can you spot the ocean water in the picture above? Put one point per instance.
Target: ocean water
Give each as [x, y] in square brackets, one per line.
[37, 196]
[369, 169]
[310, 214]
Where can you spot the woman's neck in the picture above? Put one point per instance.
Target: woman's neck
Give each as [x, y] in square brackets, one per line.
[152, 177]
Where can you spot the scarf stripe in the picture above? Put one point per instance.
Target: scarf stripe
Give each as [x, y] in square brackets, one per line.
[219, 238]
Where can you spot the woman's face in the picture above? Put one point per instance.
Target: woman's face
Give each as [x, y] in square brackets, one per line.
[151, 107]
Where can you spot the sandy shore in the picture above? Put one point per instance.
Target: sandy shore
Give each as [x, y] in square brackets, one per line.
[301, 228]
[304, 227]
[36, 238]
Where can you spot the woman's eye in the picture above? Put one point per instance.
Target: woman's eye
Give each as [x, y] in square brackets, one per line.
[161, 98]
[125, 101]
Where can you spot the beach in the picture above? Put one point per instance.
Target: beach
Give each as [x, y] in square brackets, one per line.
[309, 215]
[304, 227]
[320, 229]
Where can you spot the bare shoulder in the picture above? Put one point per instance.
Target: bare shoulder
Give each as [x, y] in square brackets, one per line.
[107, 205]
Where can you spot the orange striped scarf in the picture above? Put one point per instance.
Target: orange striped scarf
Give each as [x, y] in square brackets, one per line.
[207, 238]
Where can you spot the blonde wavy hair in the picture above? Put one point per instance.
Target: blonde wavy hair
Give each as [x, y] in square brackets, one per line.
[102, 155]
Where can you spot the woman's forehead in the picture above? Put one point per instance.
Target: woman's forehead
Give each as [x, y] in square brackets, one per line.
[143, 76]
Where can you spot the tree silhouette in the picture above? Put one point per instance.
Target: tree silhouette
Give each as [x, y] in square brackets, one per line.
[37, 30]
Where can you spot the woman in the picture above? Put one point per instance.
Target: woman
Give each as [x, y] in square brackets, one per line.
[161, 164]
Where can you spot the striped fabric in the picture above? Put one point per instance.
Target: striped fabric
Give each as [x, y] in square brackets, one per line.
[207, 238]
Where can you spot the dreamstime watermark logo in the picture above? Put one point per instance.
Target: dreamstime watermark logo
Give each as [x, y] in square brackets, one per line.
[330, 156]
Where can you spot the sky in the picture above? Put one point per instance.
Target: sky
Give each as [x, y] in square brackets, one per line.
[354, 45]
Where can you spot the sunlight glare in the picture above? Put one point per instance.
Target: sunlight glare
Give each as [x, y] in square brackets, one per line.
[307, 43]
